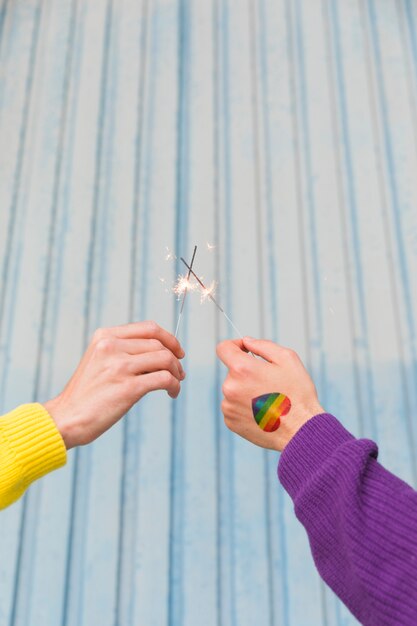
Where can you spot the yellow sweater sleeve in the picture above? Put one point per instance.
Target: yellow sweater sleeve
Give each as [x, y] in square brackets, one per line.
[30, 447]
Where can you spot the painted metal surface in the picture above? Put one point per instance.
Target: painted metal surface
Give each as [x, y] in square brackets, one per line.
[283, 131]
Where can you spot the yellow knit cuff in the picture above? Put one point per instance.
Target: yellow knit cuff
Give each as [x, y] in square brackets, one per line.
[30, 447]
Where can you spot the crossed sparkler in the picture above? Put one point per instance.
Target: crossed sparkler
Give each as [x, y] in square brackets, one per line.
[184, 286]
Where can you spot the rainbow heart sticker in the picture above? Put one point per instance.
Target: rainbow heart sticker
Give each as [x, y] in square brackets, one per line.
[269, 408]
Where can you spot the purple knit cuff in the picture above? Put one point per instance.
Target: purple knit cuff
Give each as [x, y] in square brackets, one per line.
[313, 444]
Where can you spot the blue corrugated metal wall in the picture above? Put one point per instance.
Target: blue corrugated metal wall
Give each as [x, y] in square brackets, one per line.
[282, 130]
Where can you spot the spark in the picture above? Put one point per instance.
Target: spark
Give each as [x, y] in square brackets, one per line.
[208, 292]
[210, 246]
[169, 256]
[182, 285]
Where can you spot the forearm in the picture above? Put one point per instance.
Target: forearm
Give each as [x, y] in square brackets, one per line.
[30, 447]
[360, 520]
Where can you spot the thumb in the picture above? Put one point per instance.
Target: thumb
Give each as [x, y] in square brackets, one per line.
[264, 348]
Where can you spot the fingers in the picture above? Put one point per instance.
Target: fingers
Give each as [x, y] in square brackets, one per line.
[143, 330]
[156, 361]
[268, 350]
[138, 346]
[143, 355]
[231, 351]
[163, 380]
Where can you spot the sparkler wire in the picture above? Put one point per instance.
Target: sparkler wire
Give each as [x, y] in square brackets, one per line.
[185, 292]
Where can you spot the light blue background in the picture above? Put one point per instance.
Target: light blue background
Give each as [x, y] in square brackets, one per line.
[283, 131]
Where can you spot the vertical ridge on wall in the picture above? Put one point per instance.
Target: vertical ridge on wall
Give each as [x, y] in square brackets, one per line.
[225, 502]
[182, 243]
[218, 562]
[276, 550]
[73, 603]
[31, 504]
[128, 495]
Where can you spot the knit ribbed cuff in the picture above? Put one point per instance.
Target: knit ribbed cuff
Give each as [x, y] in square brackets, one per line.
[313, 444]
[34, 441]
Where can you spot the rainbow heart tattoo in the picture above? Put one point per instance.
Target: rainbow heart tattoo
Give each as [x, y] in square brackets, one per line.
[269, 408]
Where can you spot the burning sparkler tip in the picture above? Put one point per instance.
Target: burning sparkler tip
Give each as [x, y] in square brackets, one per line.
[182, 285]
[208, 292]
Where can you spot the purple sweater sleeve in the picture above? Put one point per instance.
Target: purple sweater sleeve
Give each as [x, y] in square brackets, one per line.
[361, 521]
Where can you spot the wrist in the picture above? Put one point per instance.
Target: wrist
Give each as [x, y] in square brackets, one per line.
[294, 421]
[65, 425]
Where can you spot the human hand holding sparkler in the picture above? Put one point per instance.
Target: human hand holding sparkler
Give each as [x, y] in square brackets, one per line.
[121, 365]
[279, 376]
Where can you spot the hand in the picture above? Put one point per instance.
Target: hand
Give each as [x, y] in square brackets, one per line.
[120, 366]
[280, 370]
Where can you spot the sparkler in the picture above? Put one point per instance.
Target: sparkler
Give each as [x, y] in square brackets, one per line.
[182, 287]
[208, 293]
